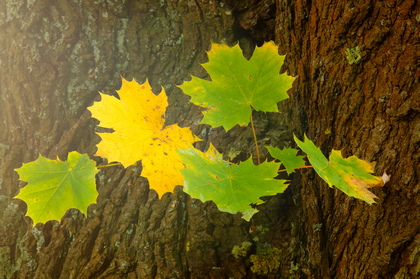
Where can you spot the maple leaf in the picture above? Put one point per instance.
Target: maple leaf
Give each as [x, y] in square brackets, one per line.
[351, 175]
[231, 187]
[137, 119]
[55, 186]
[239, 84]
[287, 157]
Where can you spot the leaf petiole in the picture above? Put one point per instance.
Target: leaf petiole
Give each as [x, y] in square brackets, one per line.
[303, 167]
[109, 165]
[255, 140]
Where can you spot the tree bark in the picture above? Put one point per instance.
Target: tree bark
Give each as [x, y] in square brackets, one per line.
[56, 55]
[371, 110]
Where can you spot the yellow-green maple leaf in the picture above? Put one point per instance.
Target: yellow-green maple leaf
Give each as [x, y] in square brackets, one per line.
[351, 175]
[137, 119]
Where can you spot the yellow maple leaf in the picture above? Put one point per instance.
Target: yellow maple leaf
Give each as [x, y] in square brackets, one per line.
[137, 119]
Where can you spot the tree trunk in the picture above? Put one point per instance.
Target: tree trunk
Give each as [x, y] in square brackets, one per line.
[56, 55]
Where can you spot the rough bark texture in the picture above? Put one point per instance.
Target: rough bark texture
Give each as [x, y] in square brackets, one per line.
[372, 110]
[56, 55]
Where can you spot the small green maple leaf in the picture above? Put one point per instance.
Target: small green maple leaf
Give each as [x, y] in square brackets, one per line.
[55, 186]
[239, 85]
[287, 157]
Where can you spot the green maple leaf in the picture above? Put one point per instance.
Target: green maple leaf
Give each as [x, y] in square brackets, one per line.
[287, 157]
[351, 175]
[55, 186]
[231, 187]
[238, 85]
